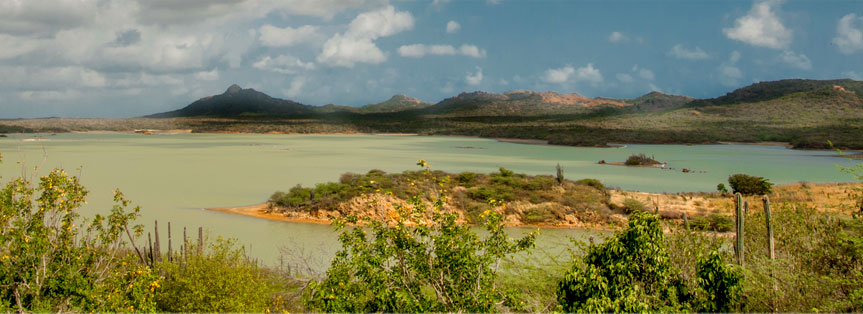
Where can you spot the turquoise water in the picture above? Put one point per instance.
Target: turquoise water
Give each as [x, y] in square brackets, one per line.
[174, 176]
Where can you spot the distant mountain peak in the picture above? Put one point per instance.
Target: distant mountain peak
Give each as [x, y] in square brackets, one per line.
[233, 89]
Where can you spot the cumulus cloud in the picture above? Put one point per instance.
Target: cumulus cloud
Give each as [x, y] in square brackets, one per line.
[853, 75]
[617, 37]
[761, 27]
[208, 75]
[849, 38]
[559, 75]
[474, 78]
[799, 61]
[624, 77]
[729, 73]
[284, 64]
[583, 74]
[273, 36]
[680, 52]
[452, 27]
[421, 50]
[357, 45]
[296, 87]
[646, 74]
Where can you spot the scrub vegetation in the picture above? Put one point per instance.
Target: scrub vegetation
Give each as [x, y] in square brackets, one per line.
[422, 259]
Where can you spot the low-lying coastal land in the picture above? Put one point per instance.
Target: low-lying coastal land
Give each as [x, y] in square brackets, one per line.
[538, 201]
[806, 114]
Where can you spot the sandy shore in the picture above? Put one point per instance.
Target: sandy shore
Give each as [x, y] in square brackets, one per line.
[522, 141]
[260, 211]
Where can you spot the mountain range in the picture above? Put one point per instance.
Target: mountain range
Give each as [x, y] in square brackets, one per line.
[804, 113]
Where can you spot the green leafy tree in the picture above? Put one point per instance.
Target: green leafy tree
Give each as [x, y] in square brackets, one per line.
[721, 284]
[632, 272]
[749, 185]
[421, 261]
[53, 260]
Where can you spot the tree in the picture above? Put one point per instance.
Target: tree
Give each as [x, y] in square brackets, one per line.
[632, 272]
[749, 185]
[52, 260]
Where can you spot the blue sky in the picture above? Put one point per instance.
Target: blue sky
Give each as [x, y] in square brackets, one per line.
[123, 58]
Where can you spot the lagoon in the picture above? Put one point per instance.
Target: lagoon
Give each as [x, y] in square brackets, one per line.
[174, 176]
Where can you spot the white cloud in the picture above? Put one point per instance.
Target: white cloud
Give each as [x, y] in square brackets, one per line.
[285, 64]
[208, 75]
[589, 74]
[472, 51]
[646, 74]
[799, 61]
[357, 45]
[283, 37]
[680, 52]
[474, 78]
[421, 50]
[761, 27]
[13, 46]
[617, 37]
[734, 56]
[849, 39]
[729, 73]
[583, 74]
[623, 77]
[452, 27]
[559, 75]
[296, 87]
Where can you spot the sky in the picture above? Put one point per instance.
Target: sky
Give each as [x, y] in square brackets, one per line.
[126, 58]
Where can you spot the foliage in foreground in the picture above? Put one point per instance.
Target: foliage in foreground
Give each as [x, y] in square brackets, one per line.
[438, 266]
[221, 279]
[422, 262]
[632, 272]
[54, 261]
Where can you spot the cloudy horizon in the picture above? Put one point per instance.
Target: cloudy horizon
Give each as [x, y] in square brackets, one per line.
[125, 58]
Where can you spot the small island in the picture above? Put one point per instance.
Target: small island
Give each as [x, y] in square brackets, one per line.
[637, 160]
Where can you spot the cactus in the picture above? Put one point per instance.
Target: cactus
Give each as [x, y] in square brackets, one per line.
[739, 213]
[685, 221]
[772, 252]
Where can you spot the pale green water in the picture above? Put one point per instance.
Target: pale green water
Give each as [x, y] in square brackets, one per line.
[173, 176]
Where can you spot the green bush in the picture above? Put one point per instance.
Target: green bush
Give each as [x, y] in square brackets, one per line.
[221, 279]
[437, 266]
[631, 205]
[749, 185]
[465, 178]
[713, 222]
[52, 260]
[632, 272]
[592, 183]
[640, 160]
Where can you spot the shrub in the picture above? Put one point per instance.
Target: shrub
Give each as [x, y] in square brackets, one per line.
[629, 272]
[640, 160]
[221, 279]
[631, 205]
[721, 188]
[633, 272]
[713, 222]
[52, 260]
[436, 266]
[465, 178]
[749, 185]
[592, 183]
[506, 172]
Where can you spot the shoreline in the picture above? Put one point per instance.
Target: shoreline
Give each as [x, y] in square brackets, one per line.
[399, 134]
[670, 205]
